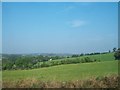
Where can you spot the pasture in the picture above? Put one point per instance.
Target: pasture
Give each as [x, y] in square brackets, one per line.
[68, 72]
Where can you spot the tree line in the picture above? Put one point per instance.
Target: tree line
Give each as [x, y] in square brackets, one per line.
[28, 63]
[10, 62]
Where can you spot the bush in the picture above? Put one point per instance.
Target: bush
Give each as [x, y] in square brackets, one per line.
[87, 59]
[44, 64]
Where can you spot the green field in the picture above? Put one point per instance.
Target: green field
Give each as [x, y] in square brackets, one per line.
[106, 67]
[102, 57]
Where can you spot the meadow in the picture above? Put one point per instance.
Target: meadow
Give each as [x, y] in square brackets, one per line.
[107, 66]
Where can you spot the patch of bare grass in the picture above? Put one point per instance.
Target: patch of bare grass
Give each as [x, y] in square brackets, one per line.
[99, 82]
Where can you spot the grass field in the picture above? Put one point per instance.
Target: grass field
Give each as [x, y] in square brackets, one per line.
[69, 72]
[101, 57]
[65, 72]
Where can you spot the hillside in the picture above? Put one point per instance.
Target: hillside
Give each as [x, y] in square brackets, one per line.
[67, 72]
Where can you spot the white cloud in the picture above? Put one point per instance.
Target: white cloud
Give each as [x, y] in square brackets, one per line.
[77, 23]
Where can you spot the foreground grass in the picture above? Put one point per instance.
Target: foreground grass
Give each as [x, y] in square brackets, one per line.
[102, 82]
[65, 72]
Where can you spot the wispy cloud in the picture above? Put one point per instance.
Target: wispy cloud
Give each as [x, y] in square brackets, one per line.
[69, 8]
[76, 23]
[66, 9]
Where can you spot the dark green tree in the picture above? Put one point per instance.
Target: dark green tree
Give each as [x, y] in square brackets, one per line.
[117, 54]
[114, 49]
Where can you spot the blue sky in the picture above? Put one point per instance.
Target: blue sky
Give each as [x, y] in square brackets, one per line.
[59, 27]
[60, 0]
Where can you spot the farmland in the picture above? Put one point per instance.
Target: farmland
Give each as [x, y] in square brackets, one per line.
[65, 72]
[107, 66]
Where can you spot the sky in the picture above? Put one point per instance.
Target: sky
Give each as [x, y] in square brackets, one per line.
[60, 0]
[59, 27]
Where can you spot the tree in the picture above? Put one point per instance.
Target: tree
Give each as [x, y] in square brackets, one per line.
[75, 55]
[81, 54]
[117, 54]
[114, 49]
